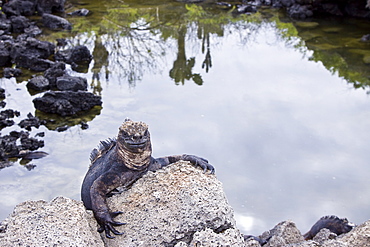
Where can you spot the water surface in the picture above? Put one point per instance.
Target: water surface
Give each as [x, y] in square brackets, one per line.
[286, 131]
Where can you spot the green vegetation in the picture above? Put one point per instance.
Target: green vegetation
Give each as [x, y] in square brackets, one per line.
[133, 37]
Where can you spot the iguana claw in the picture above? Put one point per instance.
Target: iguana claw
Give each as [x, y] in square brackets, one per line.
[198, 161]
[107, 223]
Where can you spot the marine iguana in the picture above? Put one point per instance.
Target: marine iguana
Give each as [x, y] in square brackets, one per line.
[332, 223]
[120, 162]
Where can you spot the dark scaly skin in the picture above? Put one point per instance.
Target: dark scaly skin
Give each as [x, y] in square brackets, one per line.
[332, 223]
[119, 163]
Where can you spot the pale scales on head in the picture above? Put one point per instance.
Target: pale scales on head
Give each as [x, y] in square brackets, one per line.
[132, 128]
[129, 126]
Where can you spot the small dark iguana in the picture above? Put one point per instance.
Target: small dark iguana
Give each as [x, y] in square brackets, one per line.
[332, 223]
[120, 162]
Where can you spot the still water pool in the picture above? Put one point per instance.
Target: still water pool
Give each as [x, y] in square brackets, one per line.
[287, 132]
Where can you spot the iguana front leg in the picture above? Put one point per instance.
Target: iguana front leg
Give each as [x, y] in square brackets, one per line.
[98, 192]
[195, 160]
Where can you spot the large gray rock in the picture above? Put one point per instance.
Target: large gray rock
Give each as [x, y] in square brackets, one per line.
[283, 234]
[178, 205]
[358, 237]
[61, 222]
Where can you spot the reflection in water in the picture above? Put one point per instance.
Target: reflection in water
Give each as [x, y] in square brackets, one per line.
[182, 67]
[138, 37]
[288, 139]
[101, 61]
[337, 44]
[207, 63]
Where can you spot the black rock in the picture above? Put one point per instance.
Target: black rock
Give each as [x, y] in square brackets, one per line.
[66, 102]
[10, 72]
[28, 52]
[5, 115]
[55, 22]
[5, 24]
[50, 6]
[9, 147]
[71, 83]
[38, 83]
[84, 125]
[77, 54]
[32, 30]
[30, 143]
[5, 48]
[31, 121]
[41, 134]
[62, 128]
[2, 93]
[19, 23]
[297, 11]
[20, 7]
[245, 9]
[55, 71]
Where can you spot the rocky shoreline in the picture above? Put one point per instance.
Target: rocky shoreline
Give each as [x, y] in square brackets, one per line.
[176, 206]
[161, 209]
[58, 92]
[303, 9]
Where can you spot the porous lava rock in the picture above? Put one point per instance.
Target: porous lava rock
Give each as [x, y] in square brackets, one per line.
[177, 205]
[66, 103]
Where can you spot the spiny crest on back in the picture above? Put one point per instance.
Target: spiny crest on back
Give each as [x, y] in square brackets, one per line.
[102, 149]
[332, 223]
[335, 218]
[132, 128]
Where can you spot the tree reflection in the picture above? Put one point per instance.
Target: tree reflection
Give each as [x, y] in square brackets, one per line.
[133, 39]
[182, 67]
[207, 63]
[101, 61]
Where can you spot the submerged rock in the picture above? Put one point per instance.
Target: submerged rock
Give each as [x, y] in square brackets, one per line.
[55, 22]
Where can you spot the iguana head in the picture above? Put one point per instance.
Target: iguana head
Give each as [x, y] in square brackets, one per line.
[134, 136]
